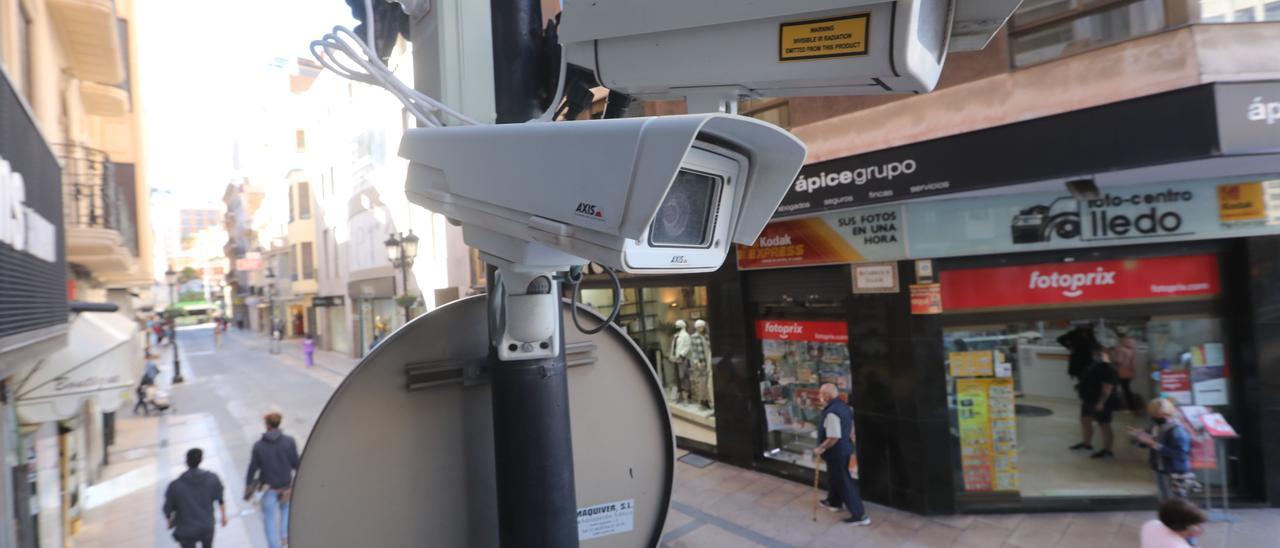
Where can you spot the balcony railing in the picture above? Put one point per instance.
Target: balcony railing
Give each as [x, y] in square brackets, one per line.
[91, 196]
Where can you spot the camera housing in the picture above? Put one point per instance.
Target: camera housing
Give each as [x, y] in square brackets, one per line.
[663, 194]
[669, 49]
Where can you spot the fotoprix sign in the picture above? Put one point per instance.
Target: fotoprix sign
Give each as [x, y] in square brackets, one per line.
[786, 330]
[1067, 283]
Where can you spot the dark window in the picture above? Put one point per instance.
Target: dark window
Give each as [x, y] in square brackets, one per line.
[308, 262]
[304, 201]
[24, 52]
[324, 244]
[1041, 32]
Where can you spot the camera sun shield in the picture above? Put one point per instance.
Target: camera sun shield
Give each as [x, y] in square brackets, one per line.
[657, 194]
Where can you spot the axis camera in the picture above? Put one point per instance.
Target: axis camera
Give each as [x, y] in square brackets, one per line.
[653, 195]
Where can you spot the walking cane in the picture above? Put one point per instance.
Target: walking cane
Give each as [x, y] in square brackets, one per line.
[815, 490]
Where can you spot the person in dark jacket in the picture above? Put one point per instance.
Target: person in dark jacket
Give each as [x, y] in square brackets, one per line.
[835, 429]
[188, 504]
[1169, 443]
[271, 467]
[1083, 345]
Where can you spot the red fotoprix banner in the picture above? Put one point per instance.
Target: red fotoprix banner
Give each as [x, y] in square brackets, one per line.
[1081, 282]
[788, 330]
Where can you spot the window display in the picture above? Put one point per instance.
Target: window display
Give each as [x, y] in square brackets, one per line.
[798, 357]
[669, 326]
[1017, 410]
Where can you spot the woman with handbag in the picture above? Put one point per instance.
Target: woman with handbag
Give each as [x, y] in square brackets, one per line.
[1169, 443]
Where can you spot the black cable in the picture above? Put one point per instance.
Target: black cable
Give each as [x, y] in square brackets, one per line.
[618, 105]
[575, 279]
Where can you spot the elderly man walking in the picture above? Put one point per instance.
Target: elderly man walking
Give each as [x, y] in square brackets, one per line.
[835, 429]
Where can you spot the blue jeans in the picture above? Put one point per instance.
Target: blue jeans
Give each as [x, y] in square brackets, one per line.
[841, 486]
[272, 511]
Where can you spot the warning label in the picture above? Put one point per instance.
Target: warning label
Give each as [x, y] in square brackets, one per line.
[606, 519]
[844, 36]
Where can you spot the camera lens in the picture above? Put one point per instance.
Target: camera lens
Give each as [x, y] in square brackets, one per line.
[684, 218]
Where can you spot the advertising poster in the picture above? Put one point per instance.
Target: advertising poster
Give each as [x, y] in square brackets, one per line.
[973, 363]
[1004, 434]
[926, 299]
[872, 234]
[1252, 203]
[1217, 426]
[798, 357]
[1209, 374]
[1176, 384]
[977, 455]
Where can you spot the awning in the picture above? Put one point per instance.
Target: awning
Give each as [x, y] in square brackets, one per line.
[99, 364]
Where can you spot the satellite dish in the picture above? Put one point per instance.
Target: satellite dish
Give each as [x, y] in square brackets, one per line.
[403, 453]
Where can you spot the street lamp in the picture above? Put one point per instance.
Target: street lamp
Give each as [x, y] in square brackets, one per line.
[172, 278]
[402, 249]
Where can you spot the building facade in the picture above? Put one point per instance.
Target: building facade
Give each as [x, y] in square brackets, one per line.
[930, 256]
[70, 142]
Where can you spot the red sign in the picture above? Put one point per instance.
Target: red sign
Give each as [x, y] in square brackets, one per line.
[249, 264]
[1218, 427]
[926, 299]
[1081, 282]
[787, 330]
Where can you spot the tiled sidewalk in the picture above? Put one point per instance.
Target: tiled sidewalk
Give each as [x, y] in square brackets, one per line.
[722, 505]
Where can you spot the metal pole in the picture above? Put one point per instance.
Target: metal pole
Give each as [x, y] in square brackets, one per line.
[517, 45]
[533, 446]
[173, 337]
[404, 275]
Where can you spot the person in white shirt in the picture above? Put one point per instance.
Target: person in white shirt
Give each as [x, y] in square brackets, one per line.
[1180, 523]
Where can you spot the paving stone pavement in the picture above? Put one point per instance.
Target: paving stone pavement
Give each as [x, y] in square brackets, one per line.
[219, 408]
[723, 505]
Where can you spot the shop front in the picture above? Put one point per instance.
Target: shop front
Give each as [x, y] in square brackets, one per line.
[941, 286]
[33, 302]
[667, 317]
[374, 312]
[331, 317]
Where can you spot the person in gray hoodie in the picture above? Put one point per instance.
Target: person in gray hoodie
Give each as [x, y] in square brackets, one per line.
[188, 503]
[271, 467]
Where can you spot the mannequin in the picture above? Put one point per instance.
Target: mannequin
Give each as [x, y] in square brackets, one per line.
[680, 349]
[700, 360]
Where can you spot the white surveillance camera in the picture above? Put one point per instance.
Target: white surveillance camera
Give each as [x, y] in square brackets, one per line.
[669, 49]
[654, 195]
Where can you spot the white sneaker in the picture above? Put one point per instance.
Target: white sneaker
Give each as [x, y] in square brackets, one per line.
[865, 521]
[829, 506]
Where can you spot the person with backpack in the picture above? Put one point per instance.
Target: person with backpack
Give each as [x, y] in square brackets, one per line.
[835, 428]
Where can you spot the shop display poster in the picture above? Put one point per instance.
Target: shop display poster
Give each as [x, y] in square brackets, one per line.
[926, 299]
[972, 363]
[977, 457]
[1004, 434]
[871, 234]
[1176, 385]
[1217, 426]
[1209, 385]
